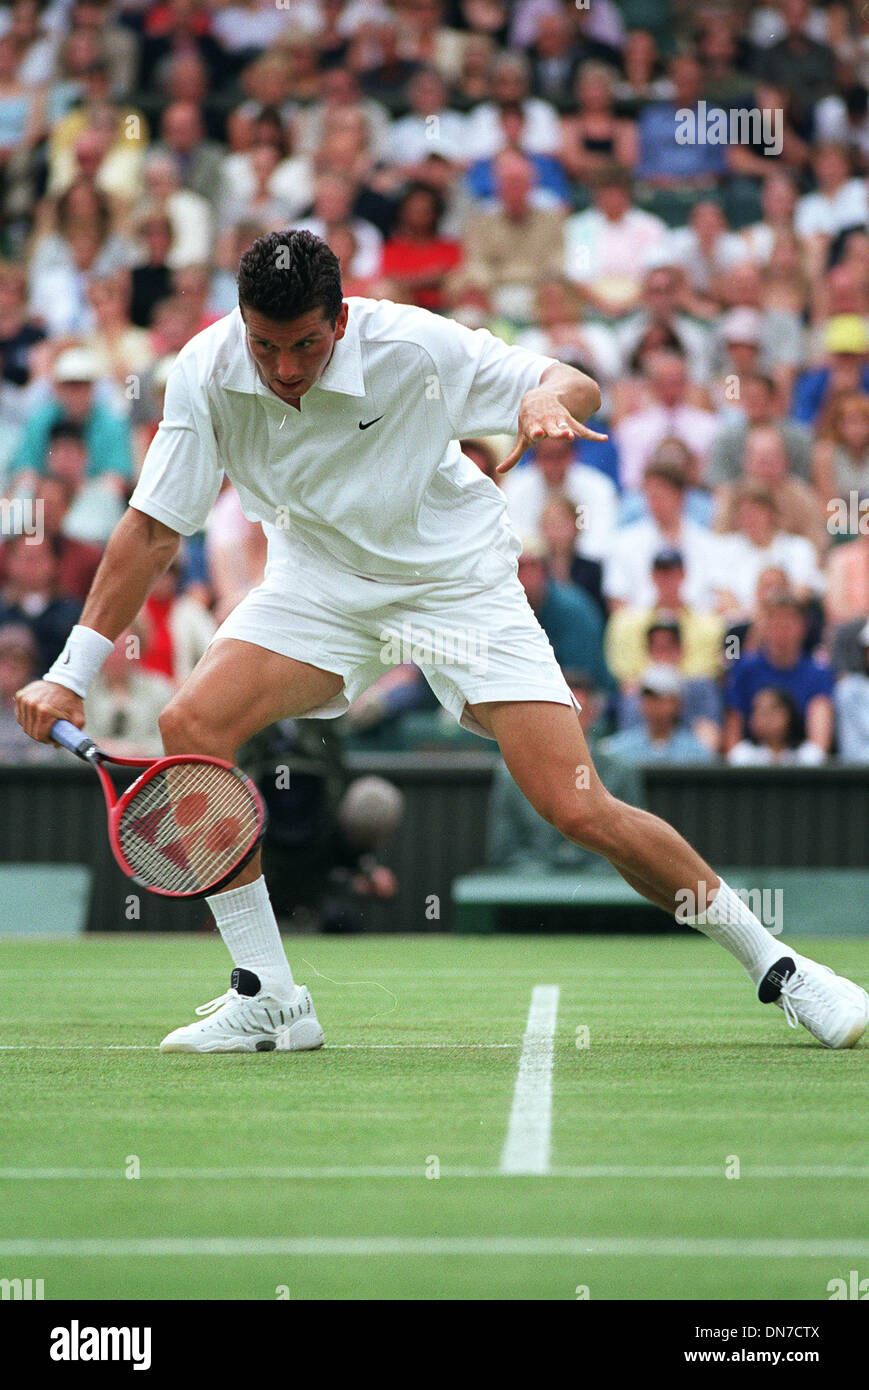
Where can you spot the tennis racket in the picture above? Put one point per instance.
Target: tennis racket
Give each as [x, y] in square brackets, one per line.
[185, 827]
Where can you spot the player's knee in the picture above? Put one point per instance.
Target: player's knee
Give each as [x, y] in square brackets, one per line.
[185, 729]
[588, 818]
[173, 722]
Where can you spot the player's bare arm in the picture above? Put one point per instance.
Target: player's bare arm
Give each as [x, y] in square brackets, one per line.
[555, 409]
[139, 550]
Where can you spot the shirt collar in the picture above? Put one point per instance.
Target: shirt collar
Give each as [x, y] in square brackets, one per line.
[342, 373]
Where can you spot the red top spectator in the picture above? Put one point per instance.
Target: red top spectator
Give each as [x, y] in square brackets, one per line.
[416, 258]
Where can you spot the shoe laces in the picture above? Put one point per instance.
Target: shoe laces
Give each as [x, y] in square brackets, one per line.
[800, 988]
[221, 999]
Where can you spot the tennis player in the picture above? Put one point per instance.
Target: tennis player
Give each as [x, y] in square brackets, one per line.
[337, 421]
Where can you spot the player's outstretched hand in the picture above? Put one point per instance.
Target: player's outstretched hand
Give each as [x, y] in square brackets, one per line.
[40, 703]
[542, 416]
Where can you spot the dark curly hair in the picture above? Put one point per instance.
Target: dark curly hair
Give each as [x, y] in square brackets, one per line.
[796, 729]
[286, 274]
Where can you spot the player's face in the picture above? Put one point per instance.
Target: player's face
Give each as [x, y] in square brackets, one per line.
[292, 354]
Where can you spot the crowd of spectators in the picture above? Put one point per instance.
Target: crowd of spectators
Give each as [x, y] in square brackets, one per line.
[704, 574]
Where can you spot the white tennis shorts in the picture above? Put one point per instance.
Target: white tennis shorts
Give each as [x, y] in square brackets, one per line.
[474, 639]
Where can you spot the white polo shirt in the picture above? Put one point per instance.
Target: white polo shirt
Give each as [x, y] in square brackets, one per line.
[367, 476]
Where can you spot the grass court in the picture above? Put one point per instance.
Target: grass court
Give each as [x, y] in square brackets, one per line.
[600, 1153]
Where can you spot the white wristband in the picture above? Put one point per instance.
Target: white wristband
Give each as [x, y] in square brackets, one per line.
[80, 660]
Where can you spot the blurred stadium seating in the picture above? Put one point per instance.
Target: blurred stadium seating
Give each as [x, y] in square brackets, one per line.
[704, 576]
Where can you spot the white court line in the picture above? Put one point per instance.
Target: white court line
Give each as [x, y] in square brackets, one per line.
[418, 1172]
[671, 1247]
[330, 1047]
[529, 1132]
[27, 972]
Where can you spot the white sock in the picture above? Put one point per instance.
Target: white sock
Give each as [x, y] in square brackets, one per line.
[731, 922]
[246, 921]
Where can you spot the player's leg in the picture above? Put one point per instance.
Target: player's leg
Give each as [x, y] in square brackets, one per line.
[237, 689]
[547, 755]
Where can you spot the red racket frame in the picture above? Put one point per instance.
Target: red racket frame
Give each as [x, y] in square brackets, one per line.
[88, 751]
[116, 810]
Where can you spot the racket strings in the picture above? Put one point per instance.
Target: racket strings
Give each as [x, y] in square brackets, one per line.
[187, 826]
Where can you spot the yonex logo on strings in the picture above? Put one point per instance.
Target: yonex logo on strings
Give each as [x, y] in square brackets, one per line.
[190, 809]
[147, 828]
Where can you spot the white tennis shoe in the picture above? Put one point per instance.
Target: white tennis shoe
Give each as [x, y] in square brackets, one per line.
[247, 1019]
[833, 1009]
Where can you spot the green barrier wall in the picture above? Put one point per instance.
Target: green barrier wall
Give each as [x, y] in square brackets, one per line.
[791, 817]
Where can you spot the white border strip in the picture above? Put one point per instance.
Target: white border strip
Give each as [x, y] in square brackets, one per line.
[418, 1172]
[670, 1247]
[529, 1132]
[329, 1047]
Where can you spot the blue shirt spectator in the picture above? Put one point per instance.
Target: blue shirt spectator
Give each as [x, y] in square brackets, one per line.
[846, 343]
[662, 155]
[803, 680]
[701, 700]
[106, 437]
[672, 135]
[551, 178]
[637, 745]
[780, 663]
[661, 737]
[569, 617]
[573, 624]
[600, 454]
[102, 466]
[30, 597]
[810, 392]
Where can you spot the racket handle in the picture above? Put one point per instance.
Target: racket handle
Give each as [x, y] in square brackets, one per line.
[72, 739]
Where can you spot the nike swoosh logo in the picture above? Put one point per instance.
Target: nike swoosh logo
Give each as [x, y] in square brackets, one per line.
[66, 659]
[370, 422]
